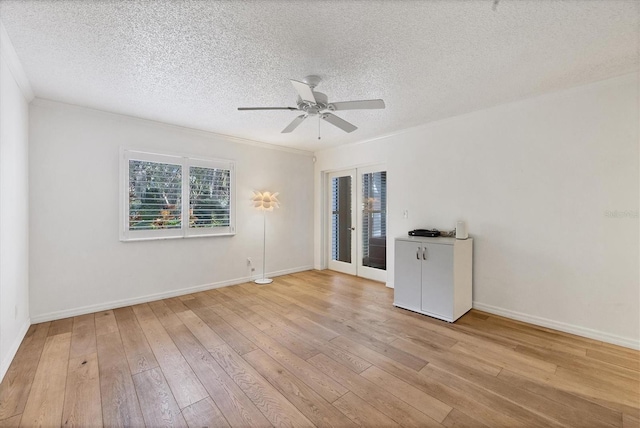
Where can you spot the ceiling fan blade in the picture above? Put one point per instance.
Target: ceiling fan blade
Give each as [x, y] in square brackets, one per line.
[268, 108]
[357, 105]
[340, 123]
[304, 90]
[293, 125]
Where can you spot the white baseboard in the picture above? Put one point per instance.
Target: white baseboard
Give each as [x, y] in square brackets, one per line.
[56, 315]
[389, 285]
[6, 361]
[557, 325]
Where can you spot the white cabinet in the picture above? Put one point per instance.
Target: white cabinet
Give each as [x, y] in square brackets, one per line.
[433, 276]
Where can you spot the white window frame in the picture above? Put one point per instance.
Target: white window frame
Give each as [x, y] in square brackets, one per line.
[185, 162]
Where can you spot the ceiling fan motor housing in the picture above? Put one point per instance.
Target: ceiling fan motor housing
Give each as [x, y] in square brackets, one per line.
[322, 103]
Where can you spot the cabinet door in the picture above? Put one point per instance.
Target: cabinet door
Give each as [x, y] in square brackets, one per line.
[407, 287]
[437, 280]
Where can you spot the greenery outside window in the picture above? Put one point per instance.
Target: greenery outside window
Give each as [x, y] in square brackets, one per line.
[166, 196]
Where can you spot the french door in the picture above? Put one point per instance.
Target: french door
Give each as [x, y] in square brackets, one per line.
[357, 222]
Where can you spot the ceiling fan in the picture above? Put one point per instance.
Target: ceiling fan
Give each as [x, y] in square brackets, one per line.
[314, 103]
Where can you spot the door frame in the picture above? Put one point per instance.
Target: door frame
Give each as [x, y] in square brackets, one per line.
[365, 272]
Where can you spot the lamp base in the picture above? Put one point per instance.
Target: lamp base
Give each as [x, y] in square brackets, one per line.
[263, 281]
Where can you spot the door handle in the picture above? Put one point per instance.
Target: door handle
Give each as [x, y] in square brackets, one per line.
[352, 228]
[424, 253]
[418, 254]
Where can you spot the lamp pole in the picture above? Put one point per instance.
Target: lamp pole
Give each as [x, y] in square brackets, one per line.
[264, 251]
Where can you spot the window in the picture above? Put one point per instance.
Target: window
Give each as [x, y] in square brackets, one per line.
[166, 196]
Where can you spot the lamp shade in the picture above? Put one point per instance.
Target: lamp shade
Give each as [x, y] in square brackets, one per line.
[265, 201]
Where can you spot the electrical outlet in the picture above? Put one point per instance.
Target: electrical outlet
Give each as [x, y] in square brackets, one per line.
[405, 214]
[249, 262]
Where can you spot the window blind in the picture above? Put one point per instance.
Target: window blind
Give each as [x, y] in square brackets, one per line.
[209, 197]
[155, 195]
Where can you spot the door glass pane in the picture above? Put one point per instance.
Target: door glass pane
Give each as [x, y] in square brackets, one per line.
[341, 219]
[374, 220]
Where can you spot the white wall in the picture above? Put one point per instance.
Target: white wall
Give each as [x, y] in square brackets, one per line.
[536, 181]
[14, 209]
[78, 264]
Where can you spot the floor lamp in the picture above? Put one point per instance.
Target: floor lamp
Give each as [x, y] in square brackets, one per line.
[264, 201]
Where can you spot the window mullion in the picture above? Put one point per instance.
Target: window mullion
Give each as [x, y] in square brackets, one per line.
[186, 215]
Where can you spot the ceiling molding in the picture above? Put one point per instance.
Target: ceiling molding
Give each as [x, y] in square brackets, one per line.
[9, 54]
[42, 102]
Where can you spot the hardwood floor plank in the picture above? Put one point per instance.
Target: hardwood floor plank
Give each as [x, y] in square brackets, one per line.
[105, 322]
[457, 419]
[292, 342]
[289, 310]
[422, 337]
[427, 404]
[274, 318]
[391, 406]
[83, 337]
[184, 383]
[276, 408]
[335, 315]
[209, 338]
[176, 305]
[342, 356]
[230, 335]
[360, 412]
[315, 329]
[312, 405]
[630, 363]
[164, 314]
[533, 402]
[392, 352]
[445, 358]
[404, 318]
[84, 323]
[612, 390]
[454, 398]
[82, 401]
[15, 387]
[204, 413]
[259, 321]
[120, 407]
[319, 382]
[236, 407]
[507, 358]
[61, 326]
[12, 422]
[585, 364]
[489, 399]
[630, 422]
[136, 348]
[590, 410]
[159, 407]
[46, 398]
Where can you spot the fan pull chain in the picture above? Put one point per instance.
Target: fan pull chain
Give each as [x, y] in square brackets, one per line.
[319, 127]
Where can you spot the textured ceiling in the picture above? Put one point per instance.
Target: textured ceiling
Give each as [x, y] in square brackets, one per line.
[191, 63]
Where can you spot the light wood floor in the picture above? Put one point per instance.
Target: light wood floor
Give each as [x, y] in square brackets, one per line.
[314, 348]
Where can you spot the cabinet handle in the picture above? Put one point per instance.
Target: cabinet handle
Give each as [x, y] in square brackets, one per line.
[418, 254]
[424, 253]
